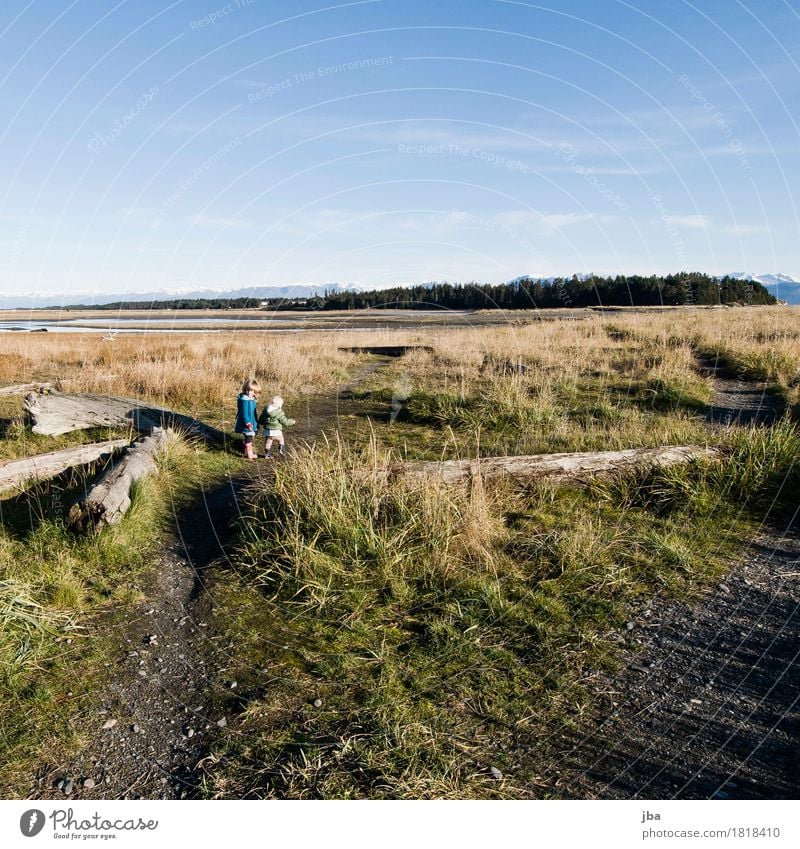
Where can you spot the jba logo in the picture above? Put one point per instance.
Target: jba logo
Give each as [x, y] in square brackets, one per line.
[31, 822]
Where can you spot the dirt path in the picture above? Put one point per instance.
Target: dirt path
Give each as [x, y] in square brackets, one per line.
[739, 402]
[156, 718]
[708, 707]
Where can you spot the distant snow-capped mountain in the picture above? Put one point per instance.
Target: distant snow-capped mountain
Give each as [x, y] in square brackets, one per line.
[782, 286]
[90, 298]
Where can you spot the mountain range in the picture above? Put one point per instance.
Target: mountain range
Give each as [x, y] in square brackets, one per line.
[782, 286]
[88, 298]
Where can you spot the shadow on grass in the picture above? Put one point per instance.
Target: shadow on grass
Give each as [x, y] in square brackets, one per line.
[22, 514]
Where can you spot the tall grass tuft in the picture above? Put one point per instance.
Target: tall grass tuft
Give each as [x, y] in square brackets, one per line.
[25, 626]
[442, 628]
[323, 533]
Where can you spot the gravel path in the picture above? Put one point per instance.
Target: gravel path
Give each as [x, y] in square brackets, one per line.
[708, 706]
[155, 719]
[158, 711]
[739, 402]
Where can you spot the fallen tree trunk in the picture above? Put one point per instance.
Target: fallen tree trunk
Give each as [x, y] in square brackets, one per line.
[57, 413]
[22, 388]
[566, 467]
[109, 499]
[17, 473]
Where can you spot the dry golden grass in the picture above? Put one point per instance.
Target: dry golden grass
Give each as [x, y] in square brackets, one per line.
[655, 349]
[600, 342]
[194, 372]
[759, 343]
[197, 372]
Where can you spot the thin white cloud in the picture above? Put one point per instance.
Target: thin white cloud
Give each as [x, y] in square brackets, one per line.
[745, 229]
[525, 221]
[137, 211]
[568, 219]
[601, 171]
[245, 83]
[25, 219]
[209, 222]
[691, 222]
[433, 224]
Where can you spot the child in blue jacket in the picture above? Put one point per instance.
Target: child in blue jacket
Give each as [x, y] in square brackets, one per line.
[246, 419]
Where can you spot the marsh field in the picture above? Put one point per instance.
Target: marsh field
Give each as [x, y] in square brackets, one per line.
[352, 635]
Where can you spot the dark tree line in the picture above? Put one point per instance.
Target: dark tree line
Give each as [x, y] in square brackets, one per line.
[176, 304]
[686, 288]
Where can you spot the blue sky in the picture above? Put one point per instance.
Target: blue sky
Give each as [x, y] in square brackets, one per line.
[155, 145]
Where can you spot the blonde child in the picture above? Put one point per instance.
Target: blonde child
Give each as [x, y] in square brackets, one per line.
[246, 421]
[274, 420]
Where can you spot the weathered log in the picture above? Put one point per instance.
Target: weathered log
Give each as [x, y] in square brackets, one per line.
[565, 467]
[109, 499]
[17, 473]
[57, 413]
[23, 388]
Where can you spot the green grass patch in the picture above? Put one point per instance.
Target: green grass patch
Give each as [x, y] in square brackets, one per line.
[766, 364]
[517, 415]
[445, 631]
[688, 393]
[59, 595]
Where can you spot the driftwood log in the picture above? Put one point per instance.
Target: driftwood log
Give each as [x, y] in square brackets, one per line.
[23, 388]
[109, 499]
[57, 413]
[565, 467]
[17, 473]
